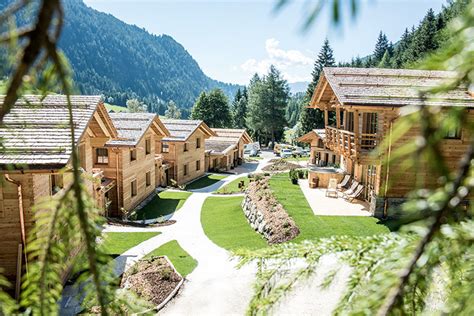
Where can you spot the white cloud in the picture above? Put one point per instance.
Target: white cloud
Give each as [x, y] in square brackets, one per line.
[294, 65]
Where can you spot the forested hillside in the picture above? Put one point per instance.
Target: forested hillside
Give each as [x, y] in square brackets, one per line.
[124, 61]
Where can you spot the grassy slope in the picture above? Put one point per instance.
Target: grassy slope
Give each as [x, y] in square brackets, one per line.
[117, 243]
[311, 226]
[205, 181]
[116, 108]
[164, 203]
[182, 261]
[225, 224]
[233, 187]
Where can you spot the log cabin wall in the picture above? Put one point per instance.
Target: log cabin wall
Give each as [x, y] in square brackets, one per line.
[192, 157]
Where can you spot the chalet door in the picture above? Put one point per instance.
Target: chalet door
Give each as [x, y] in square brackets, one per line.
[369, 180]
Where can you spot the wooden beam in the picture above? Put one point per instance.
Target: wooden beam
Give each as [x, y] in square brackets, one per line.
[356, 131]
[326, 117]
[338, 117]
[101, 124]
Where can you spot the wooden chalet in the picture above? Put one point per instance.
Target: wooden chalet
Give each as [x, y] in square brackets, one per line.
[131, 160]
[35, 162]
[184, 150]
[367, 102]
[320, 154]
[225, 150]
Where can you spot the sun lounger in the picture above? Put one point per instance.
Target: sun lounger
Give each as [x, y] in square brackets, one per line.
[350, 197]
[351, 189]
[332, 188]
[344, 183]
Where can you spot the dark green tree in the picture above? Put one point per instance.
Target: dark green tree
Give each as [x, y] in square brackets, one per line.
[381, 46]
[239, 108]
[268, 99]
[213, 109]
[313, 118]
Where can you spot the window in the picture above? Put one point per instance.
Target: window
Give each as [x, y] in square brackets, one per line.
[453, 133]
[198, 165]
[133, 155]
[56, 183]
[185, 147]
[198, 142]
[148, 178]
[133, 187]
[102, 156]
[147, 146]
[185, 170]
[165, 148]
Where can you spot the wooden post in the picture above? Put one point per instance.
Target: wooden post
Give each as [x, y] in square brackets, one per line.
[356, 131]
[326, 117]
[19, 264]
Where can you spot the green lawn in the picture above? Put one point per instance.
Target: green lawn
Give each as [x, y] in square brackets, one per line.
[233, 187]
[225, 224]
[205, 181]
[182, 261]
[312, 226]
[115, 108]
[163, 203]
[117, 243]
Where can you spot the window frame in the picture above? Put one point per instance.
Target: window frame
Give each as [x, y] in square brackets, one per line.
[97, 156]
[165, 148]
[185, 147]
[185, 169]
[198, 142]
[133, 155]
[147, 146]
[148, 178]
[133, 188]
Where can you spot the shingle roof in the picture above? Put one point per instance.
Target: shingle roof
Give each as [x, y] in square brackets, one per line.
[390, 87]
[36, 132]
[130, 127]
[226, 139]
[306, 138]
[180, 130]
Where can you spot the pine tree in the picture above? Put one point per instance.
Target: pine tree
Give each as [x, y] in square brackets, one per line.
[385, 62]
[213, 109]
[239, 109]
[172, 112]
[380, 47]
[314, 118]
[267, 103]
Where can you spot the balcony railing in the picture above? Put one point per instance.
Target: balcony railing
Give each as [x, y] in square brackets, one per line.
[346, 143]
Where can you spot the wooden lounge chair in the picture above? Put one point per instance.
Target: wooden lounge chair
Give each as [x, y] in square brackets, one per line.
[344, 183]
[351, 189]
[355, 194]
[332, 188]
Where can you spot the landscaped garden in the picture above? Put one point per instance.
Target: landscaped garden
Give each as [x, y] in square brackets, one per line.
[182, 261]
[225, 224]
[205, 181]
[312, 226]
[116, 243]
[164, 203]
[233, 187]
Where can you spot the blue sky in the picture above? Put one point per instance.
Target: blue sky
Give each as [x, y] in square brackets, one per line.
[233, 39]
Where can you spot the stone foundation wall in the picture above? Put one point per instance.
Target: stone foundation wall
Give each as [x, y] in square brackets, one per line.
[256, 218]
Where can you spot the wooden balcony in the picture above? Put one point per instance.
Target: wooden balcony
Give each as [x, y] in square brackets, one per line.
[349, 144]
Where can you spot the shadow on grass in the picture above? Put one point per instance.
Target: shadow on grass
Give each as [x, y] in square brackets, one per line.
[205, 181]
[163, 204]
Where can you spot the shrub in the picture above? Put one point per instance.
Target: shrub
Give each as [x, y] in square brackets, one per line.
[293, 176]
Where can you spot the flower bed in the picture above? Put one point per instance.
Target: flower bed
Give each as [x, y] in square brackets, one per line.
[154, 279]
[266, 215]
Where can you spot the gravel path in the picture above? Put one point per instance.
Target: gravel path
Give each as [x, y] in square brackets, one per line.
[216, 286]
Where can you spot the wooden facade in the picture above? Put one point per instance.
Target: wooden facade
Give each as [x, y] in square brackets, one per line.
[320, 155]
[118, 155]
[35, 163]
[225, 150]
[367, 104]
[184, 150]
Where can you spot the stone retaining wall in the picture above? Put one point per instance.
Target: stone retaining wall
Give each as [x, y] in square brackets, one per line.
[266, 215]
